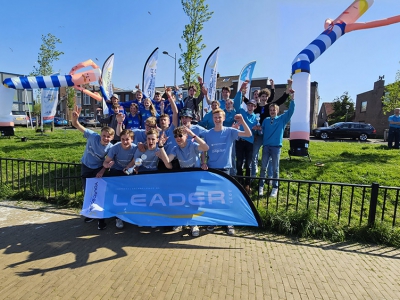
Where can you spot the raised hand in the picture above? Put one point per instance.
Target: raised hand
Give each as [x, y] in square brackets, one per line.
[243, 87]
[120, 117]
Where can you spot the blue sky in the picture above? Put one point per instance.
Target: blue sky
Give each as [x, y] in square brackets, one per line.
[270, 32]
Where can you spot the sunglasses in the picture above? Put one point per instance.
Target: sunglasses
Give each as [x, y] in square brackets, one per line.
[178, 135]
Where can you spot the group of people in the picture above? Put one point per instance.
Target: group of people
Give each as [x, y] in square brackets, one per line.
[227, 138]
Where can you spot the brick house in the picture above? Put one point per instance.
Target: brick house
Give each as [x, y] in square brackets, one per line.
[369, 108]
[324, 112]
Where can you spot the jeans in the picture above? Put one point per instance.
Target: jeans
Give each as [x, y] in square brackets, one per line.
[244, 152]
[270, 156]
[87, 172]
[258, 141]
[394, 134]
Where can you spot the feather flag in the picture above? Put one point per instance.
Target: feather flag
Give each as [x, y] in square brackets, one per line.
[106, 87]
[149, 74]
[210, 76]
[246, 74]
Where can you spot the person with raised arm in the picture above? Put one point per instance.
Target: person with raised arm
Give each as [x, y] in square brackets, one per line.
[97, 147]
[220, 140]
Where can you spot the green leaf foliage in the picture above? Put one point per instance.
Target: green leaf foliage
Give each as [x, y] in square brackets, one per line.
[198, 13]
[391, 98]
[341, 113]
[47, 55]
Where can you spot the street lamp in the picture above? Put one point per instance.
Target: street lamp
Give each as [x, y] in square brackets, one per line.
[174, 58]
[347, 109]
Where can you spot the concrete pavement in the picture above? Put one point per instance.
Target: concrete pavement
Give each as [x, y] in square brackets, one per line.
[47, 253]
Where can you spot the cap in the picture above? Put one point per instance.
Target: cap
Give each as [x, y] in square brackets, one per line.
[115, 96]
[254, 102]
[187, 112]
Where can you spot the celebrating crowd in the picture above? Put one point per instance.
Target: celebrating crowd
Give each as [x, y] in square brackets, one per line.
[166, 133]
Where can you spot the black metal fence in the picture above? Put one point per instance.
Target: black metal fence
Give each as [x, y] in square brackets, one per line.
[44, 179]
[348, 204]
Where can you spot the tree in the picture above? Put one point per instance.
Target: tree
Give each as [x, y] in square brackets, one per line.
[198, 13]
[47, 55]
[70, 94]
[391, 98]
[341, 113]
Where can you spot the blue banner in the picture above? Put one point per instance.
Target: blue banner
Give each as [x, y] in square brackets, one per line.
[182, 197]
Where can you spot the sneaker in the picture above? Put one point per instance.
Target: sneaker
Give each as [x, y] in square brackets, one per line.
[119, 223]
[274, 192]
[88, 220]
[261, 191]
[101, 224]
[230, 230]
[177, 228]
[195, 230]
[210, 228]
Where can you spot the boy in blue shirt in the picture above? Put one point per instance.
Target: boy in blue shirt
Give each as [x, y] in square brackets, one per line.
[187, 151]
[221, 140]
[97, 147]
[273, 128]
[119, 156]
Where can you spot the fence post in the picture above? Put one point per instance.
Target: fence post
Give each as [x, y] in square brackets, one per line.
[373, 204]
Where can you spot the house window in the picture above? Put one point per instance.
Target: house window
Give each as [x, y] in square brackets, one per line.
[363, 106]
[226, 79]
[126, 97]
[86, 99]
[87, 113]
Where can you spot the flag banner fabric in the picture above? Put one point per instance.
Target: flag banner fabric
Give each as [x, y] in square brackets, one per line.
[174, 198]
[49, 103]
[106, 80]
[149, 74]
[210, 76]
[246, 74]
[7, 97]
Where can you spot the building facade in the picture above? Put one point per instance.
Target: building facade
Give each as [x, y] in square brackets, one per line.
[369, 108]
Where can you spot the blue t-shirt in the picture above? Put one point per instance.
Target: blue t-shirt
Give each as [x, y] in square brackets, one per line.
[394, 119]
[207, 121]
[229, 117]
[157, 105]
[121, 157]
[150, 162]
[198, 130]
[220, 145]
[132, 122]
[170, 143]
[145, 115]
[139, 136]
[251, 121]
[139, 104]
[95, 153]
[273, 128]
[168, 109]
[187, 156]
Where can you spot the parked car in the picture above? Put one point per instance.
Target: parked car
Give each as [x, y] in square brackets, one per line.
[354, 130]
[57, 121]
[60, 121]
[89, 121]
[20, 117]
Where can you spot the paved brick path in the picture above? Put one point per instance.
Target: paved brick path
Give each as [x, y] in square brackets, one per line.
[50, 254]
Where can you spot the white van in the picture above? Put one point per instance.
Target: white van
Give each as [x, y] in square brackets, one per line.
[20, 117]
